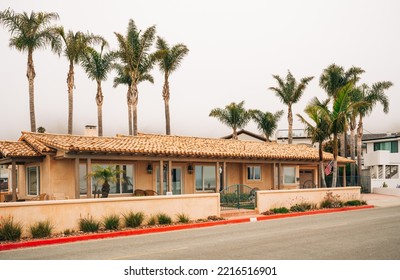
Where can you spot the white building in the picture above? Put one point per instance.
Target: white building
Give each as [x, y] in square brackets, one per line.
[299, 137]
[381, 156]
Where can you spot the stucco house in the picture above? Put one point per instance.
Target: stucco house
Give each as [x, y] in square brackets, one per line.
[58, 163]
[381, 156]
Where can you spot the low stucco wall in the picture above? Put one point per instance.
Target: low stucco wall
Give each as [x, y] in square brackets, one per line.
[65, 214]
[267, 200]
[387, 191]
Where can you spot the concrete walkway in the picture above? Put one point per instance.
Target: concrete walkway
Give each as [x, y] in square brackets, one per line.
[381, 200]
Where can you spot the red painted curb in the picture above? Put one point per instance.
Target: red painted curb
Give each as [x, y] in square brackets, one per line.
[61, 240]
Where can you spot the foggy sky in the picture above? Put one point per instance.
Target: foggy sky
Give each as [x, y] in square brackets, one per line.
[235, 48]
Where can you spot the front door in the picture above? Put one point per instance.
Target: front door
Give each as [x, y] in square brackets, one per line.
[176, 180]
[176, 174]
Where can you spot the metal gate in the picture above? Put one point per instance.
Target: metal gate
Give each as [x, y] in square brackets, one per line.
[238, 197]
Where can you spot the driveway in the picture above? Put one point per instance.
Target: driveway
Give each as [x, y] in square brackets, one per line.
[381, 200]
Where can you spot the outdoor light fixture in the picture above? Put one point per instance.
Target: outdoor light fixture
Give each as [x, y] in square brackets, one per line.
[149, 168]
[190, 169]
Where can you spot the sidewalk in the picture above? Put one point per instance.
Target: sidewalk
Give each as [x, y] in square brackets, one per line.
[380, 200]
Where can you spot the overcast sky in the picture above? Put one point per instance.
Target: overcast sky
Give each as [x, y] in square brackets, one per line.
[235, 48]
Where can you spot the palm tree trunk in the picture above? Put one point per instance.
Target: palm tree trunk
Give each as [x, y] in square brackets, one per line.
[30, 74]
[352, 154]
[99, 102]
[290, 122]
[135, 95]
[234, 134]
[129, 103]
[342, 139]
[321, 166]
[70, 83]
[335, 155]
[359, 149]
[166, 105]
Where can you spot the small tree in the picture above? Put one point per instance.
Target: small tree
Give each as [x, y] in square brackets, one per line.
[104, 176]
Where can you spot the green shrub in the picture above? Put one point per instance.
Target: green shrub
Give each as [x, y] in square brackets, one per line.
[355, 203]
[10, 230]
[152, 220]
[164, 219]
[89, 224]
[111, 222]
[331, 201]
[280, 210]
[41, 229]
[133, 220]
[68, 231]
[183, 218]
[302, 207]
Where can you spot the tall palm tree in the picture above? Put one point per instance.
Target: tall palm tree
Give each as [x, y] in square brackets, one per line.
[75, 45]
[169, 59]
[233, 115]
[134, 55]
[30, 32]
[337, 118]
[290, 92]
[369, 97]
[318, 130]
[332, 79]
[97, 65]
[266, 122]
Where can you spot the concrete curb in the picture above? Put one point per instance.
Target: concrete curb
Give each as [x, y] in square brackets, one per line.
[61, 240]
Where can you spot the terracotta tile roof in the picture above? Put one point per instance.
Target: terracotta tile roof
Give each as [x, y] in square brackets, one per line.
[17, 149]
[181, 146]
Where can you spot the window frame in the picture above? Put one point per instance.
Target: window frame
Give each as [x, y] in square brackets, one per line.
[252, 168]
[294, 177]
[27, 175]
[202, 178]
[119, 181]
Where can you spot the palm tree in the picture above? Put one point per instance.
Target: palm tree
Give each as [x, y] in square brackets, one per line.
[30, 33]
[104, 176]
[75, 45]
[318, 130]
[233, 115]
[266, 122]
[369, 97]
[290, 92]
[137, 62]
[97, 65]
[169, 60]
[337, 118]
[332, 79]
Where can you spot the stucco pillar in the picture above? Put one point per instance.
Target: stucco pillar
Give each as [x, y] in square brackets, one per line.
[88, 178]
[273, 175]
[161, 177]
[77, 190]
[14, 180]
[279, 175]
[224, 183]
[217, 185]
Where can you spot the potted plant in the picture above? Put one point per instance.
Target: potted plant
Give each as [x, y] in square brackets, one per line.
[104, 176]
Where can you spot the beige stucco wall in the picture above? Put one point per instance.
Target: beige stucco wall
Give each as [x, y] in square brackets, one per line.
[64, 214]
[267, 200]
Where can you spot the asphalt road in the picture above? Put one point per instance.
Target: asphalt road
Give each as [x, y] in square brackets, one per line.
[371, 234]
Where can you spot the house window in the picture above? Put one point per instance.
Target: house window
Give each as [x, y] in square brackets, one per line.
[205, 178]
[391, 171]
[253, 173]
[82, 179]
[124, 182]
[289, 175]
[392, 146]
[32, 180]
